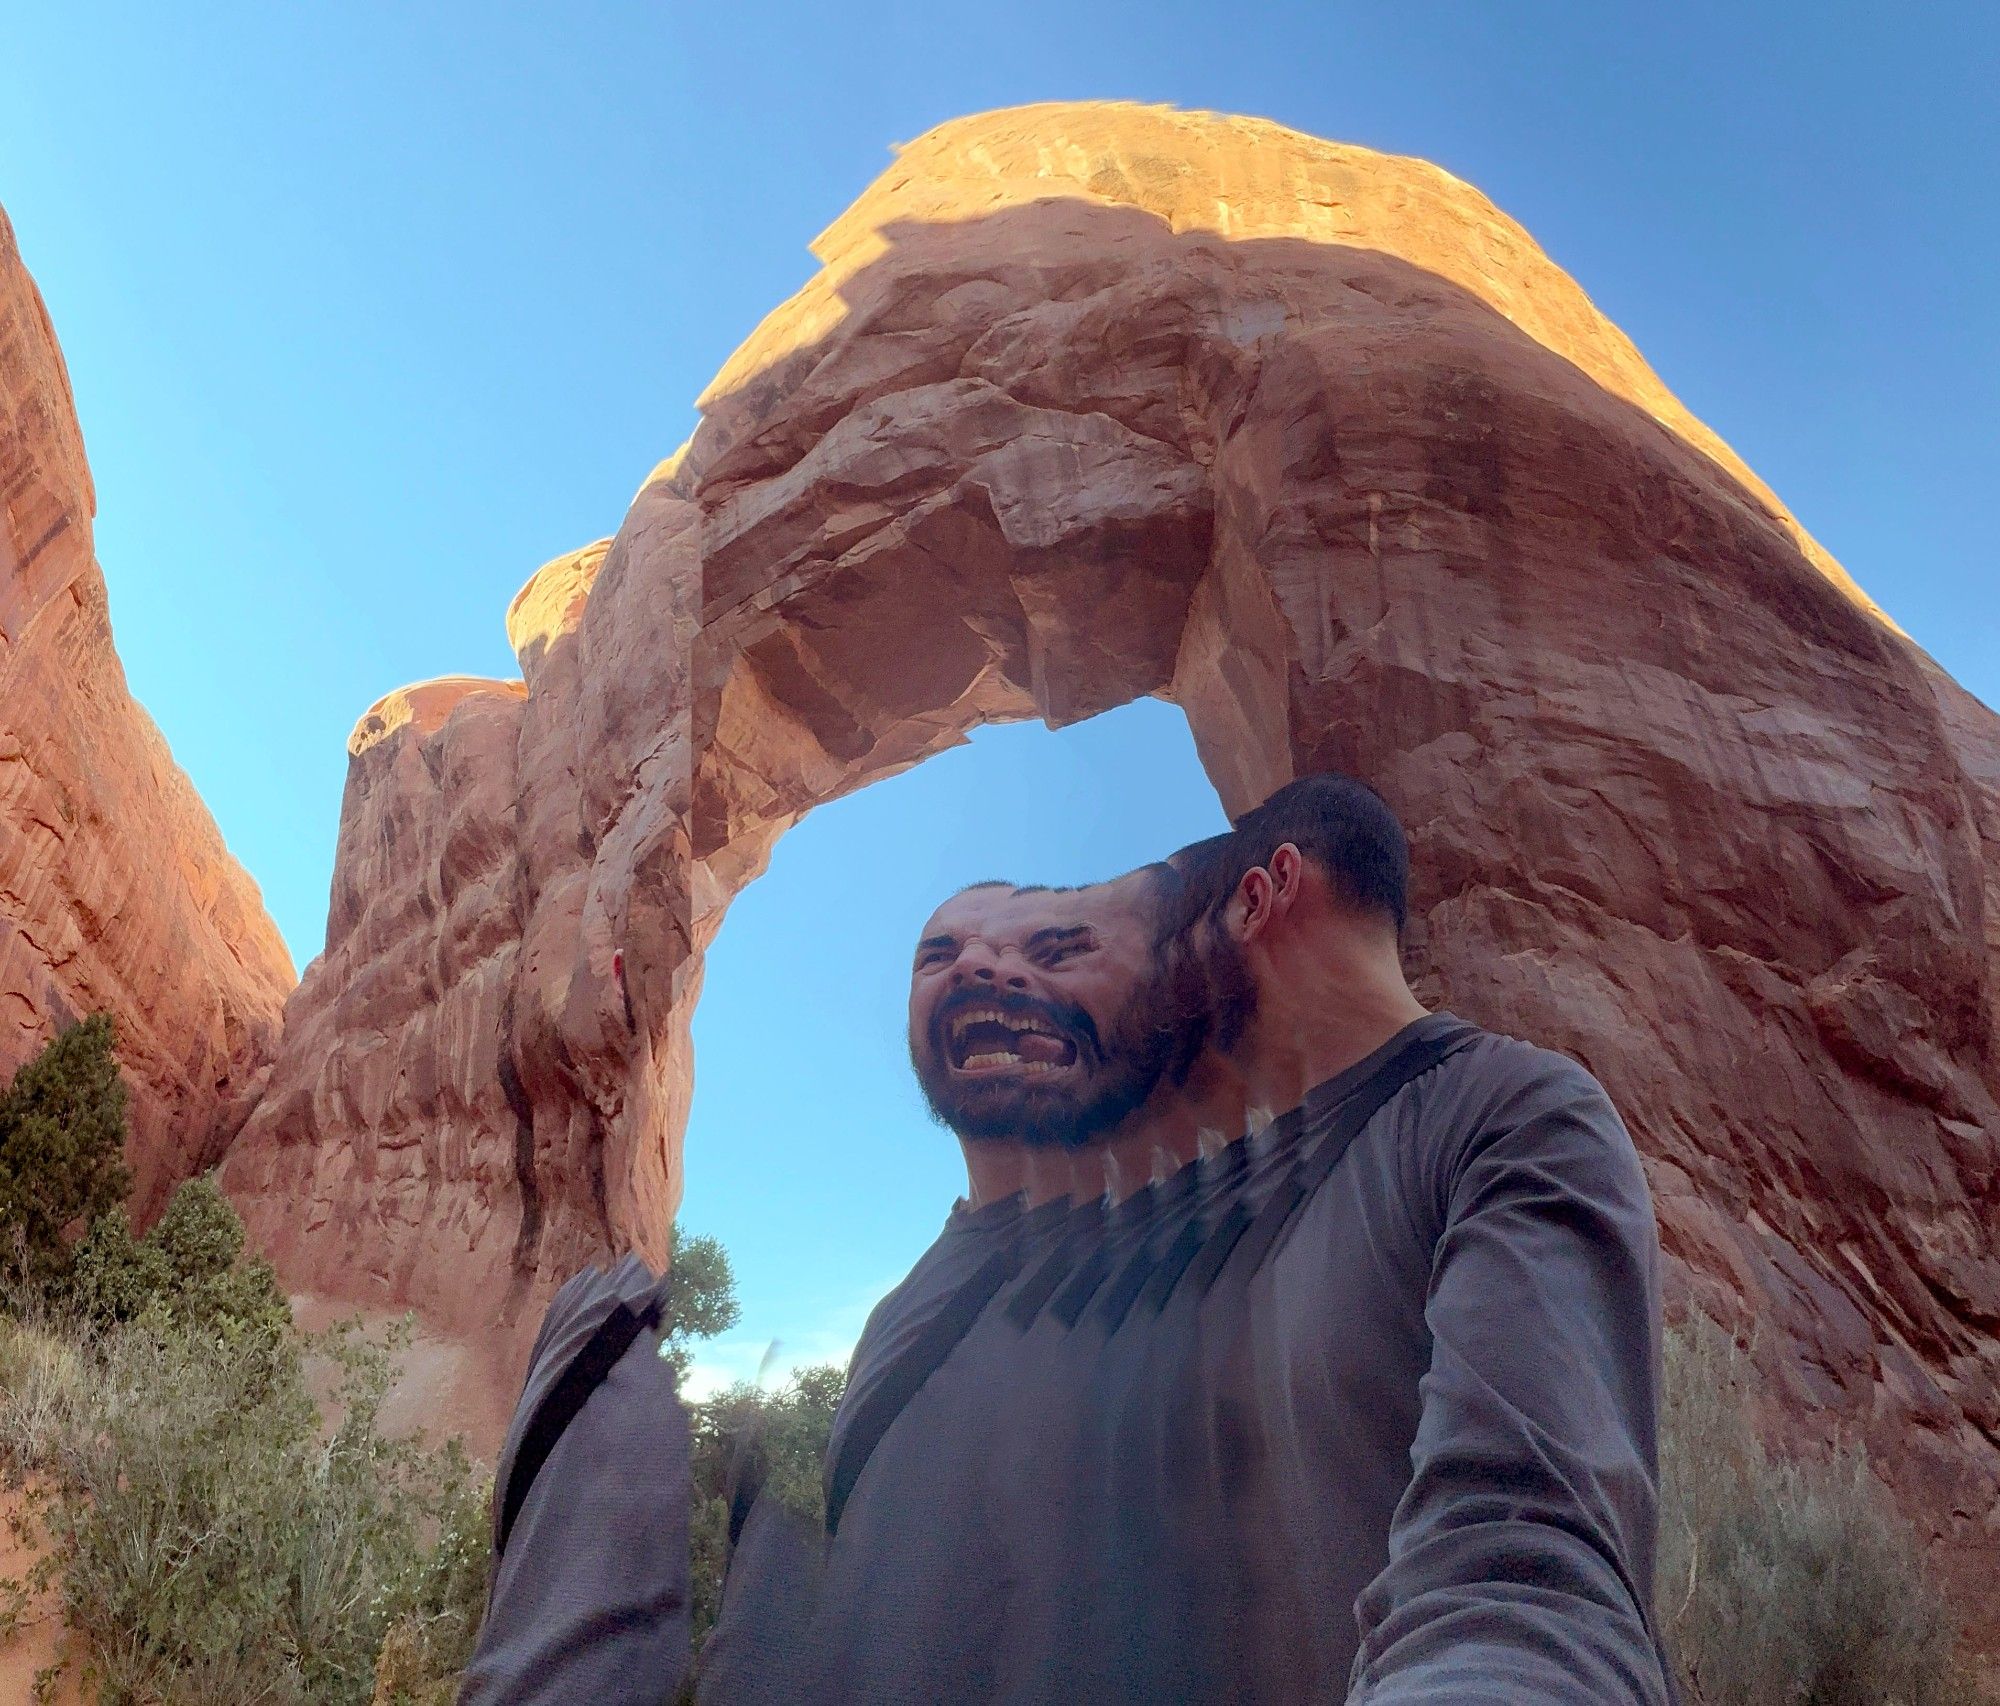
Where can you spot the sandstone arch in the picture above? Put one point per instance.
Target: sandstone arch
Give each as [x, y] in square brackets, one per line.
[1094, 402]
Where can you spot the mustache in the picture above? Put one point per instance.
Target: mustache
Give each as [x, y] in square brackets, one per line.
[1065, 1016]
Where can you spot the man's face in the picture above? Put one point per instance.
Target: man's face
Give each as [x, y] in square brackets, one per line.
[1040, 1018]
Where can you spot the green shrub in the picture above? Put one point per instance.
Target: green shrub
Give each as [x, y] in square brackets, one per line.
[211, 1539]
[191, 1265]
[435, 1607]
[786, 1431]
[701, 1298]
[1783, 1583]
[62, 1153]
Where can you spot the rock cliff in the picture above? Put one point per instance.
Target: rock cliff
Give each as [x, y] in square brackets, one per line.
[1089, 402]
[116, 892]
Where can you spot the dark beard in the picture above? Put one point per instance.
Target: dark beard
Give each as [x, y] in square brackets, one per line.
[1216, 979]
[1203, 996]
[1120, 1070]
[1199, 994]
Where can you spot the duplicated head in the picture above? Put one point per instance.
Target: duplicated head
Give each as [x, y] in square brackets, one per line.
[1044, 1016]
[1333, 825]
[1341, 825]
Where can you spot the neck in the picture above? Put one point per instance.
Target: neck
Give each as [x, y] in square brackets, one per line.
[1176, 1124]
[1323, 1004]
[996, 1168]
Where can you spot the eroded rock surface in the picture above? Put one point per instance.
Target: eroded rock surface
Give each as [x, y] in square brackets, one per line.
[1096, 401]
[116, 892]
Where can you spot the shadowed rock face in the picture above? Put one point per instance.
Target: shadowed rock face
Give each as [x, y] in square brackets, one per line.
[116, 893]
[1091, 402]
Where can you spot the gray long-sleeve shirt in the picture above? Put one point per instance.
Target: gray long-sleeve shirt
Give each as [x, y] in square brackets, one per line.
[589, 1599]
[1406, 1453]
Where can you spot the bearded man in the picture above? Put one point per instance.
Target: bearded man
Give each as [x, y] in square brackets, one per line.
[1359, 1406]
[1043, 1025]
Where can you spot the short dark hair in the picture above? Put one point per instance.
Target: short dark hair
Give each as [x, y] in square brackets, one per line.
[1161, 871]
[1341, 824]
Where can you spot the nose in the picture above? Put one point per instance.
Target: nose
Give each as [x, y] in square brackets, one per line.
[981, 966]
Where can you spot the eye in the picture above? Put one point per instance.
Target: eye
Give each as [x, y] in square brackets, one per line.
[928, 958]
[1059, 953]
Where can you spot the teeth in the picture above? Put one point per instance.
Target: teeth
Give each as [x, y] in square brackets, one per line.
[993, 1016]
[996, 1057]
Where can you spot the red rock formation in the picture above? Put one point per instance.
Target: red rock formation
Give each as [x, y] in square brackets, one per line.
[1092, 402]
[116, 892]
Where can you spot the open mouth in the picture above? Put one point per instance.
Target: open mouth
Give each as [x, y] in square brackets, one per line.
[981, 1039]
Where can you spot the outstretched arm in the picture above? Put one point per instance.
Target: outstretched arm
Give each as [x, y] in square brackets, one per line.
[1520, 1559]
[589, 1597]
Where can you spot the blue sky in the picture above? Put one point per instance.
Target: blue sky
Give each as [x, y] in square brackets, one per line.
[370, 309]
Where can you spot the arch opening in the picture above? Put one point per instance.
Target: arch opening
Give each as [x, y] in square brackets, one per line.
[808, 1152]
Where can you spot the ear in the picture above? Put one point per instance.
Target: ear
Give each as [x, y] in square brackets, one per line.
[1288, 877]
[1252, 907]
[1267, 893]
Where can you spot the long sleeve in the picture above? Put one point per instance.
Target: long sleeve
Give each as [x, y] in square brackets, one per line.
[761, 1648]
[589, 1598]
[1520, 1557]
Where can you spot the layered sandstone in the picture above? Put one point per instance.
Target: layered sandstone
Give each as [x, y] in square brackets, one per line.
[116, 892]
[1090, 402]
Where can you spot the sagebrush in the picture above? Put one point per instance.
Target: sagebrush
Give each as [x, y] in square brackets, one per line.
[210, 1533]
[1784, 1582]
[211, 1540]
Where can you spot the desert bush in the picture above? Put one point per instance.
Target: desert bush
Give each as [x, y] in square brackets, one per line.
[210, 1539]
[781, 1437]
[191, 1265]
[435, 1607]
[62, 1153]
[41, 1373]
[1780, 1582]
[223, 1517]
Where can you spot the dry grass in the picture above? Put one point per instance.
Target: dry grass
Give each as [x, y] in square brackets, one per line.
[211, 1541]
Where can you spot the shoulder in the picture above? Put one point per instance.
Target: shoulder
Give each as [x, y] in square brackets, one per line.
[1501, 1099]
[1494, 1079]
[1500, 1069]
[906, 1306]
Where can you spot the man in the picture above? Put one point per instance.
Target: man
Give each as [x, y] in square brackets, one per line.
[1363, 1402]
[589, 1585]
[1055, 1034]
[1470, 1362]
[1360, 1405]
[1043, 1024]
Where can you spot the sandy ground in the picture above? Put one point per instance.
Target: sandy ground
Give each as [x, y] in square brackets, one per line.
[35, 1644]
